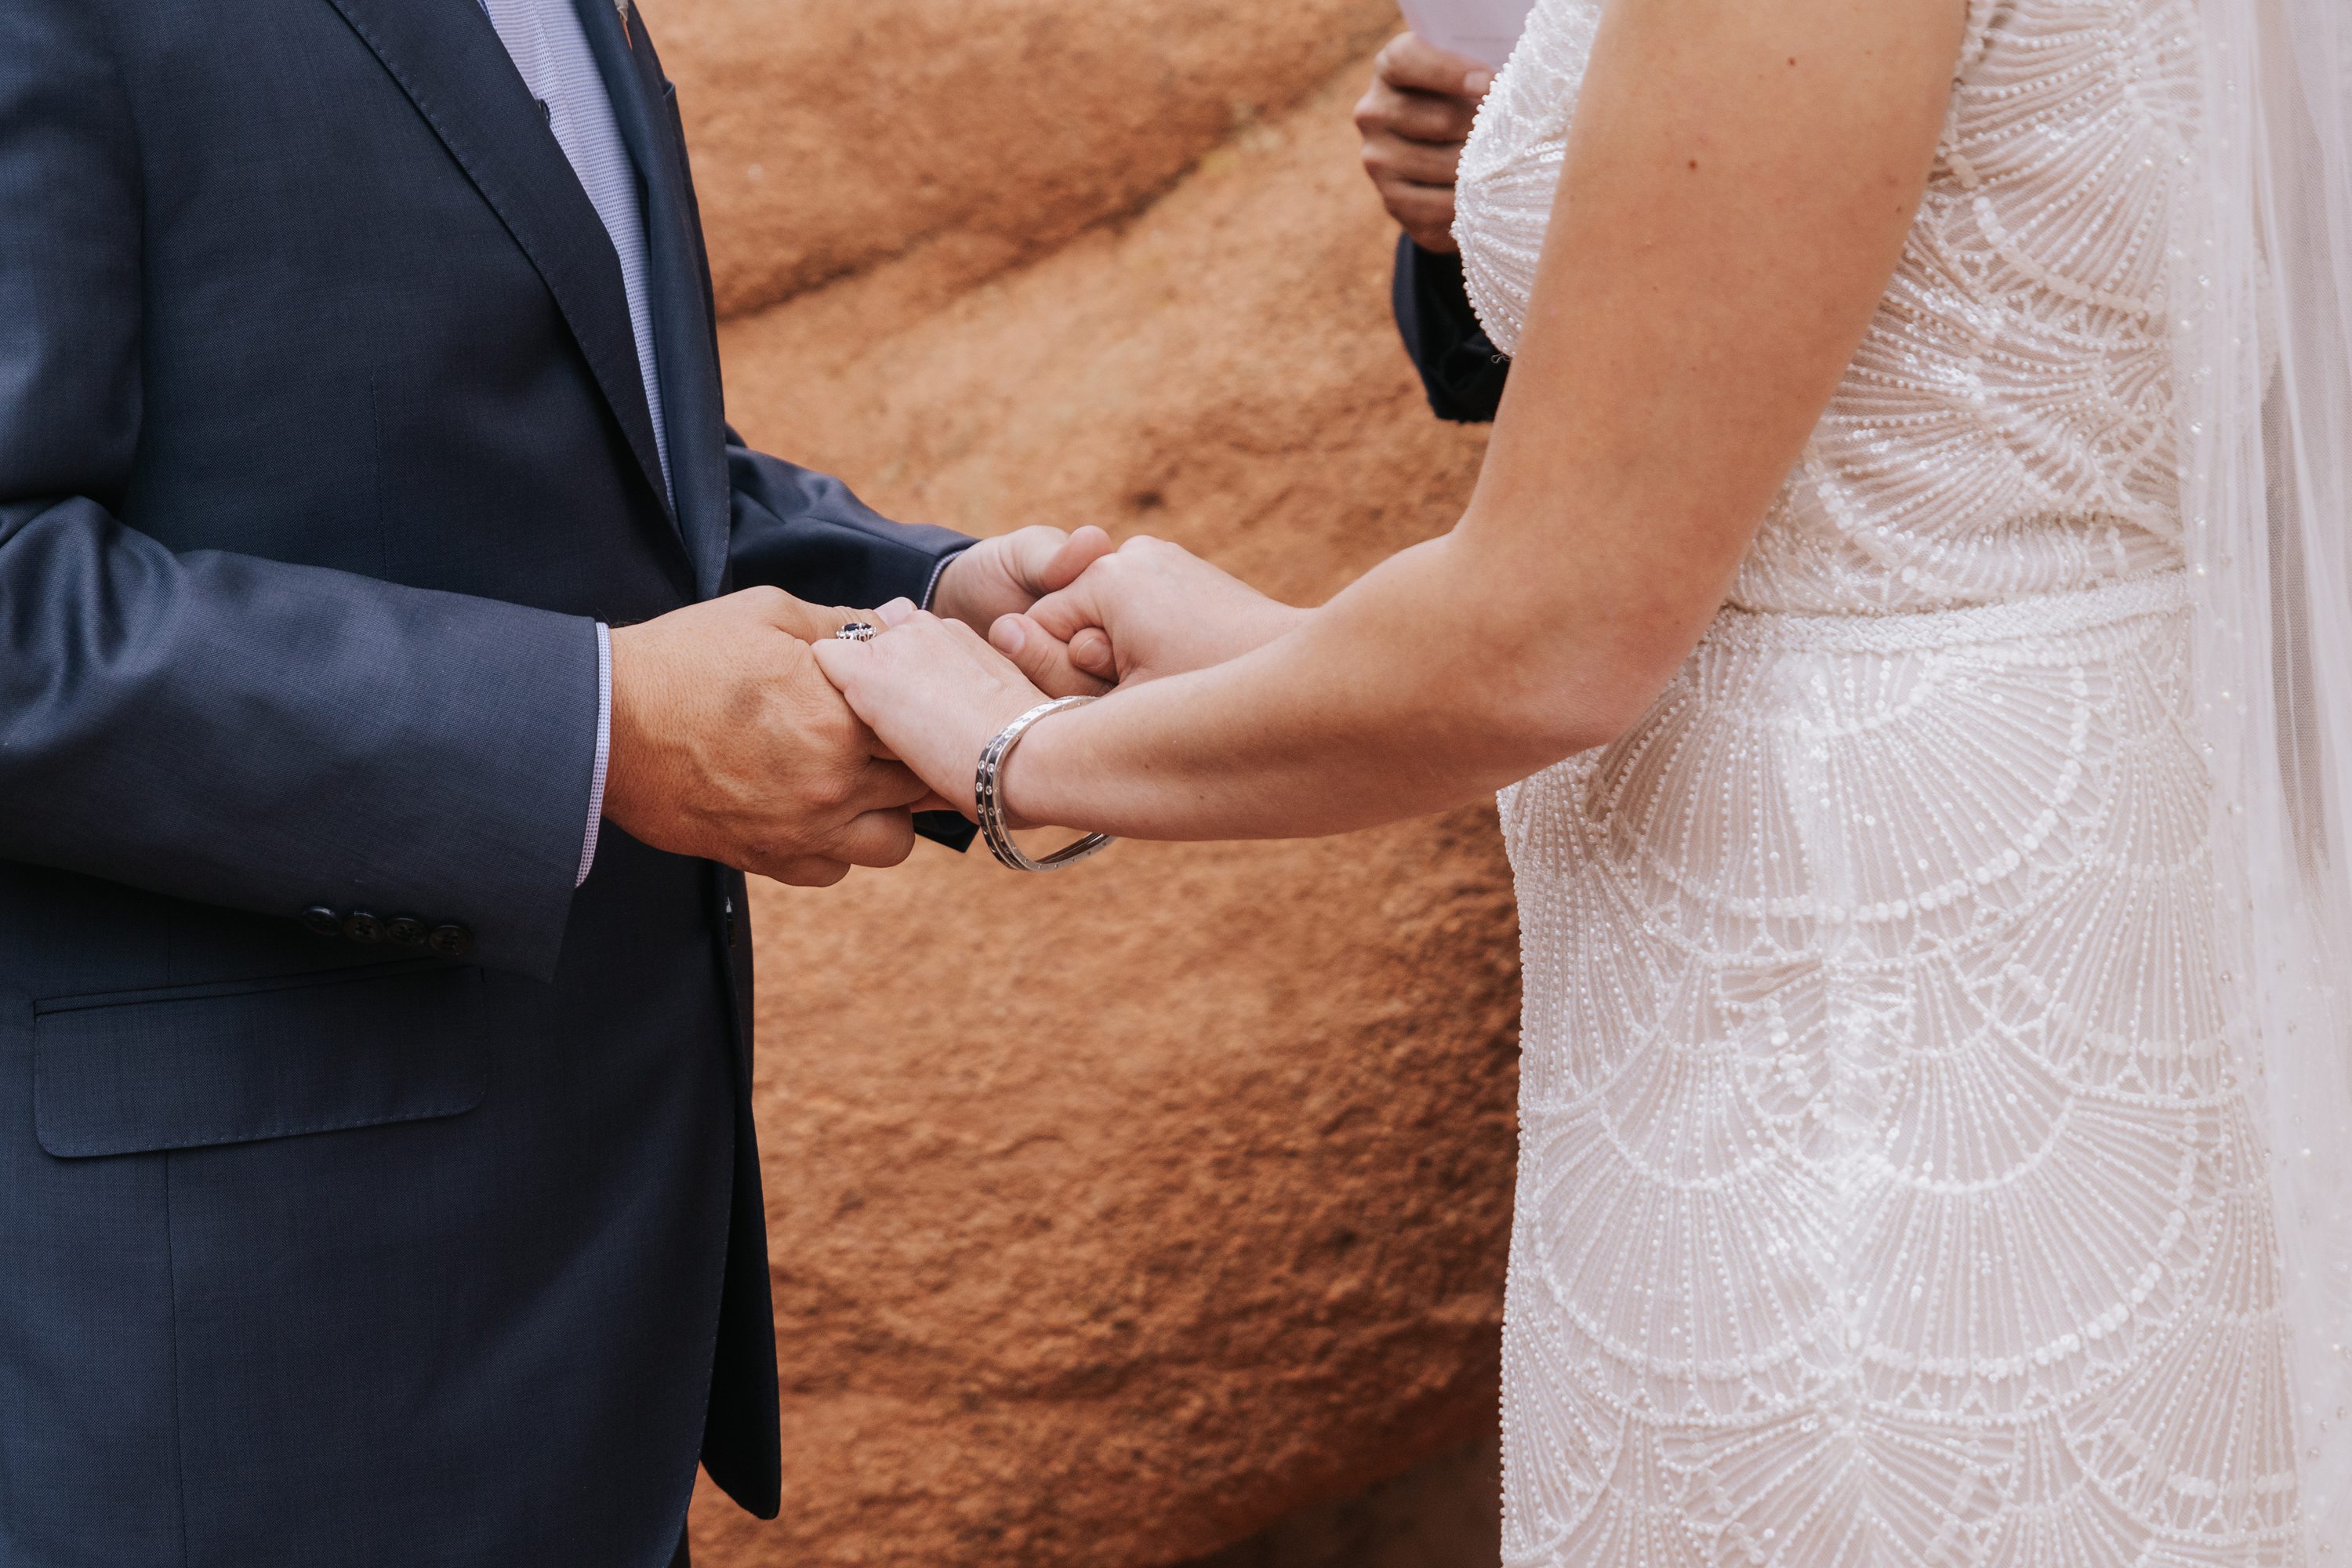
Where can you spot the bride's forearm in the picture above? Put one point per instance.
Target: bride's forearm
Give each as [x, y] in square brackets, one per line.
[1719, 248]
[1412, 691]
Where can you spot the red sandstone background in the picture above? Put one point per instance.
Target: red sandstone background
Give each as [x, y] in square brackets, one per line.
[1120, 1214]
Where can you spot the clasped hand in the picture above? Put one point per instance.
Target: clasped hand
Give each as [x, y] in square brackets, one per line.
[743, 732]
[729, 743]
[934, 692]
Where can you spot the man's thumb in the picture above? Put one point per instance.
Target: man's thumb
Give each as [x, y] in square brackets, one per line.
[1070, 560]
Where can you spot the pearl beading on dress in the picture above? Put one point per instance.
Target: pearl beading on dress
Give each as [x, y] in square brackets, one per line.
[1889, 1191]
[2006, 427]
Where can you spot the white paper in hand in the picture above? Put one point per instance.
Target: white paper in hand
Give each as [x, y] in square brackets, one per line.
[1483, 29]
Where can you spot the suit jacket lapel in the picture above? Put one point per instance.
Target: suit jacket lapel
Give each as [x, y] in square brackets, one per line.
[685, 342]
[447, 57]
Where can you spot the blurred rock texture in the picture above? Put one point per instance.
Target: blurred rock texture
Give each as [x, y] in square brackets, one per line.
[1116, 1215]
[1440, 1515]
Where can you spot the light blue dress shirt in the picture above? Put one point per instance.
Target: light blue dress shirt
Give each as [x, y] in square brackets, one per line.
[550, 50]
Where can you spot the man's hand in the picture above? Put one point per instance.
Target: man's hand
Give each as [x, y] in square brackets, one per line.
[1152, 609]
[729, 743]
[1006, 575]
[813, 623]
[1414, 120]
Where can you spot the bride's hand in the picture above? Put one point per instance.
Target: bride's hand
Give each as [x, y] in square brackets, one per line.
[933, 691]
[1152, 609]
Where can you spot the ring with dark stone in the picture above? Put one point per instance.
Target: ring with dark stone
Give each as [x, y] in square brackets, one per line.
[857, 631]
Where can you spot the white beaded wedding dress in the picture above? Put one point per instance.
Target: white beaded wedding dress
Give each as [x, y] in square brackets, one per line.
[1897, 1178]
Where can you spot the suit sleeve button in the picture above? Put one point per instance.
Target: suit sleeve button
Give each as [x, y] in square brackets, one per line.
[321, 920]
[363, 928]
[407, 931]
[451, 942]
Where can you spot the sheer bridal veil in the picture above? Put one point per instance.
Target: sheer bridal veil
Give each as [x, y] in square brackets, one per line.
[2264, 373]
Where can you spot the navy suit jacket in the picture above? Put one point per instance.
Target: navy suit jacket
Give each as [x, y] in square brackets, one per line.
[367, 1196]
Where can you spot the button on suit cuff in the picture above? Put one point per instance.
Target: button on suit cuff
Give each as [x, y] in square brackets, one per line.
[604, 749]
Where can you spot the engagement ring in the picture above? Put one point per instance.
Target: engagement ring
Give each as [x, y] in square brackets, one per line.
[856, 631]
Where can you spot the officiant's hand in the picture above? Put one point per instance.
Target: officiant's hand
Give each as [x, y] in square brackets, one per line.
[1152, 609]
[1414, 120]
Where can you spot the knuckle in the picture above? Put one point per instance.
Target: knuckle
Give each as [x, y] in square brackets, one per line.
[808, 871]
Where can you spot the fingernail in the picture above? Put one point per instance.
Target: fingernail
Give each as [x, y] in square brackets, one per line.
[1009, 634]
[895, 612]
[1476, 83]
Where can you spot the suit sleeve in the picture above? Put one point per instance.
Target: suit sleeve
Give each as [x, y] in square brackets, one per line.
[807, 534]
[1459, 369]
[217, 727]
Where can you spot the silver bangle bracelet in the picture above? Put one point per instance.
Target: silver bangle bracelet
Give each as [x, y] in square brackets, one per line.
[985, 795]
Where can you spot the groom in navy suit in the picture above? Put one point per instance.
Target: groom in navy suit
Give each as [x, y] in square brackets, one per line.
[383, 737]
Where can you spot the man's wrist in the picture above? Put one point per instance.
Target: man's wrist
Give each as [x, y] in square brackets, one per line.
[935, 596]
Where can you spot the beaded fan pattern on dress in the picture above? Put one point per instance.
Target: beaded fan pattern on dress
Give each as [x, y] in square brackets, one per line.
[1890, 1192]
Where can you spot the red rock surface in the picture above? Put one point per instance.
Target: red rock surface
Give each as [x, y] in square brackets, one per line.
[1119, 1214]
[1440, 1514]
[830, 137]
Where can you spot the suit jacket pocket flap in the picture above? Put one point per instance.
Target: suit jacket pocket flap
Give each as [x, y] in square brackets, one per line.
[182, 1069]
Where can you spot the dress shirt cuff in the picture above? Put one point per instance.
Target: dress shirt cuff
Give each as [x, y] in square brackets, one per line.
[604, 749]
[931, 588]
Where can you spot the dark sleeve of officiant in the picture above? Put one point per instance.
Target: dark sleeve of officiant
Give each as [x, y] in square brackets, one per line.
[1459, 367]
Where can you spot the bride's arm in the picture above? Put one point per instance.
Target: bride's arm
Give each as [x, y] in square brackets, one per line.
[1738, 188]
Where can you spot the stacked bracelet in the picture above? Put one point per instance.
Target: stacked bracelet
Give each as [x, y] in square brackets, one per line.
[990, 803]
